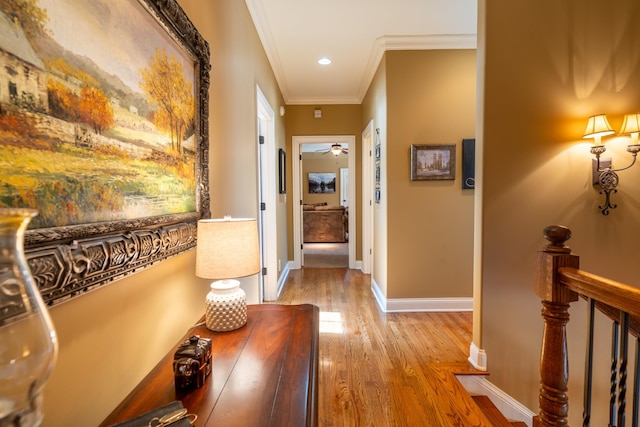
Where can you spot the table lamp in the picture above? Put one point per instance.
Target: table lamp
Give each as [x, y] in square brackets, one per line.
[227, 249]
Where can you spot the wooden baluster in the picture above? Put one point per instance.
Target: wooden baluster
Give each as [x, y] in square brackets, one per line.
[554, 363]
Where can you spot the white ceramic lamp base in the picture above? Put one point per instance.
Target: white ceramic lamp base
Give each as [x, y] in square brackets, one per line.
[226, 306]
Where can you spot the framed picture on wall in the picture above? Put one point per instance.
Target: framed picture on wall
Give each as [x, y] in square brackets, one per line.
[282, 171]
[433, 162]
[468, 163]
[322, 182]
[107, 138]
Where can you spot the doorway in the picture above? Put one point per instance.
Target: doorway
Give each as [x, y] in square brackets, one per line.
[313, 143]
[268, 285]
[368, 178]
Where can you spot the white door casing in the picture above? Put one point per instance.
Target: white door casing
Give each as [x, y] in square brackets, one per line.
[368, 167]
[297, 141]
[344, 187]
[267, 195]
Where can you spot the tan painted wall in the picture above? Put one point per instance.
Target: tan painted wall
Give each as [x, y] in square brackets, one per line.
[548, 65]
[238, 63]
[319, 162]
[111, 337]
[374, 107]
[336, 120]
[431, 100]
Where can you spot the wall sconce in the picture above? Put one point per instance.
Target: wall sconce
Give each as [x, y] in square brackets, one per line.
[604, 174]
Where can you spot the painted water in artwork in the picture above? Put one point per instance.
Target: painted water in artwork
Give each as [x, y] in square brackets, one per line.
[96, 113]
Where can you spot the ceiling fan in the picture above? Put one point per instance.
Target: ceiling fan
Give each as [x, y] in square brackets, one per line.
[335, 149]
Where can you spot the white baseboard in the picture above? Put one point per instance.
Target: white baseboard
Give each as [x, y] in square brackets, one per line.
[291, 265]
[283, 278]
[378, 295]
[477, 357]
[398, 305]
[510, 408]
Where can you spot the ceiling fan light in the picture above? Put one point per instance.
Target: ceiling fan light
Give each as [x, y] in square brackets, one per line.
[336, 149]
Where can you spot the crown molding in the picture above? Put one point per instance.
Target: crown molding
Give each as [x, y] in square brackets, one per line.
[324, 101]
[381, 45]
[258, 16]
[428, 42]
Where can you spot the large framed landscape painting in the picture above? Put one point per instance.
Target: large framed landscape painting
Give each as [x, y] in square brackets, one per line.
[103, 130]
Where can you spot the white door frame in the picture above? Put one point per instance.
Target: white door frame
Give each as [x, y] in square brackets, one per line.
[367, 197]
[344, 187]
[267, 194]
[297, 141]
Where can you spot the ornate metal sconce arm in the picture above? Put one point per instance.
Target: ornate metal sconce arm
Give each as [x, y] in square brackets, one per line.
[598, 127]
[608, 182]
[608, 179]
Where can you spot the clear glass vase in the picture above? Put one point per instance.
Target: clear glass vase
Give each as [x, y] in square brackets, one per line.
[28, 343]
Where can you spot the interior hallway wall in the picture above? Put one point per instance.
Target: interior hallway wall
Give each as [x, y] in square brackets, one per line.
[111, 337]
[336, 120]
[374, 108]
[549, 65]
[430, 100]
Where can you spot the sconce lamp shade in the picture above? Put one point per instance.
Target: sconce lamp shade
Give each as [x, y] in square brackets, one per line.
[227, 248]
[597, 127]
[631, 126]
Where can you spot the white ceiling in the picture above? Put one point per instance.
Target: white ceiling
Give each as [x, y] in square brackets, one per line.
[310, 147]
[354, 34]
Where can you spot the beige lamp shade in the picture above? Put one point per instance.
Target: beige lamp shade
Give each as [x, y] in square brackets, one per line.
[227, 248]
[631, 126]
[597, 127]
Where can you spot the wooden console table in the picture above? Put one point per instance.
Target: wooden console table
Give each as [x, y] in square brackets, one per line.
[264, 374]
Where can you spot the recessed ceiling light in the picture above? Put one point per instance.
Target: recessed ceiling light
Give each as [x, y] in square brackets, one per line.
[324, 61]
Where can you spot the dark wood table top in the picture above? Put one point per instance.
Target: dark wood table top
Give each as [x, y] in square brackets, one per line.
[264, 374]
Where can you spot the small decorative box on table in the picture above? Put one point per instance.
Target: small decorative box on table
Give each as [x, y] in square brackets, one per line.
[264, 374]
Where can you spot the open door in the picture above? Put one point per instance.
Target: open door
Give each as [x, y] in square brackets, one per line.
[368, 168]
[267, 223]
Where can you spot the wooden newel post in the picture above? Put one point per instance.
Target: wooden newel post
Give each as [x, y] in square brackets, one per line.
[554, 363]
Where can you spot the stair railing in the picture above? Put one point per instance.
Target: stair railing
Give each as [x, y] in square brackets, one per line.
[558, 283]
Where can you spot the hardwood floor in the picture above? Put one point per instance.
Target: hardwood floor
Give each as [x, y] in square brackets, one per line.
[372, 364]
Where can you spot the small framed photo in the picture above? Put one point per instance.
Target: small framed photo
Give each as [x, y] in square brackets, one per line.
[433, 162]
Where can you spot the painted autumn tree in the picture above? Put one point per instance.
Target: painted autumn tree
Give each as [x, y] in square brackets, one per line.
[31, 16]
[64, 103]
[95, 109]
[165, 84]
